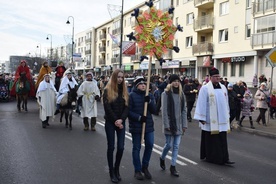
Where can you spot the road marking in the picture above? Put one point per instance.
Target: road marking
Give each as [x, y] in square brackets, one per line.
[158, 149]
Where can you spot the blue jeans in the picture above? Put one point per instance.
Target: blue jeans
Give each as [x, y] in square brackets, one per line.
[171, 141]
[136, 142]
[110, 130]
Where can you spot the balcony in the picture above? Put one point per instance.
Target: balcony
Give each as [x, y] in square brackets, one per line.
[88, 40]
[116, 31]
[102, 49]
[103, 36]
[88, 52]
[135, 58]
[101, 61]
[263, 7]
[204, 24]
[115, 60]
[263, 40]
[204, 4]
[205, 48]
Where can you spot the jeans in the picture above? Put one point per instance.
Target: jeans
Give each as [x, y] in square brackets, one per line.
[136, 142]
[110, 130]
[171, 141]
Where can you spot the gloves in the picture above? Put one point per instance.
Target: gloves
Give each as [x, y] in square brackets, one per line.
[147, 98]
[97, 97]
[143, 119]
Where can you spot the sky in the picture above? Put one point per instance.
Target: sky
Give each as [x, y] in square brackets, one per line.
[25, 24]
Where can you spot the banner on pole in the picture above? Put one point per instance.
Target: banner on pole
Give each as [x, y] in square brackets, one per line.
[77, 57]
[129, 48]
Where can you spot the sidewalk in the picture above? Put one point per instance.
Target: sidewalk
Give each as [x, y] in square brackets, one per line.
[268, 131]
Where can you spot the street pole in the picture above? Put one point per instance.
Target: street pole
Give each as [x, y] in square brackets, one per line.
[68, 22]
[121, 44]
[39, 49]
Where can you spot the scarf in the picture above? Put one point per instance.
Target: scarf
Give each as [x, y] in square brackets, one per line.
[171, 110]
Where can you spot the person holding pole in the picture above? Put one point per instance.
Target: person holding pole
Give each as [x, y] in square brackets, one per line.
[141, 126]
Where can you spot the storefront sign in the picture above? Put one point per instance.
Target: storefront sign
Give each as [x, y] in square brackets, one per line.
[238, 59]
[128, 67]
[144, 65]
[171, 64]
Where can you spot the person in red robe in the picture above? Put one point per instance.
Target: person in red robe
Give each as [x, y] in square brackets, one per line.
[23, 68]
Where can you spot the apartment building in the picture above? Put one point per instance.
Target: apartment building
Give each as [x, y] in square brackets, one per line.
[232, 35]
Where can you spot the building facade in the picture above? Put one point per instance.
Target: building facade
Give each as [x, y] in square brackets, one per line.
[233, 36]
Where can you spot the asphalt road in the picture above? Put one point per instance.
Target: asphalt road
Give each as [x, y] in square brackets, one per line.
[56, 155]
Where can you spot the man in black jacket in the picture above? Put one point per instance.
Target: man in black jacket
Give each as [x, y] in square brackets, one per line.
[190, 92]
[240, 90]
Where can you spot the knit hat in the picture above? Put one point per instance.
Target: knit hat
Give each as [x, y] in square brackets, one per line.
[139, 80]
[173, 77]
[263, 83]
[213, 71]
[230, 85]
[89, 73]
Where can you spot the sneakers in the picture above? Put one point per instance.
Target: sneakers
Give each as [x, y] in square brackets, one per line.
[138, 175]
[146, 172]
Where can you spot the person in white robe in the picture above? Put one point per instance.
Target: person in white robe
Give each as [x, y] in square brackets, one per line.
[88, 94]
[212, 111]
[68, 79]
[46, 98]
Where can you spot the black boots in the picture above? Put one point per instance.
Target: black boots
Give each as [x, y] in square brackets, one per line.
[117, 174]
[173, 171]
[146, 172]
[113, 178]
[86, 125]
[251, 123]
[162, 164]
[93, 123]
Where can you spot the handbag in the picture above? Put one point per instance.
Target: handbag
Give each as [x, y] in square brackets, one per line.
[267, 98]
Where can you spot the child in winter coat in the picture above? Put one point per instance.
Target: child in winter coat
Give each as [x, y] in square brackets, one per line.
[273, 104]
[247, 108]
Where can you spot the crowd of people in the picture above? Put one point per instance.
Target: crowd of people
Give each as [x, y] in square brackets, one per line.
[173, 95]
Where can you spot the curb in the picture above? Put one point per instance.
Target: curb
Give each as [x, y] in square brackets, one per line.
[258, 132]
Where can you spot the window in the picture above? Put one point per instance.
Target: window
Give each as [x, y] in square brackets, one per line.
[248, 31]
[223, 35]
[225, 68]
[176, 21]
[189, 41]
[233, 69]
[177, 2]
[241, 72]
[185, 1]
[236, 29]
[248, 3]
[237, 1]
[176, 42]
[190, 18]
[265, 24]
[224, 8]
[107, 44]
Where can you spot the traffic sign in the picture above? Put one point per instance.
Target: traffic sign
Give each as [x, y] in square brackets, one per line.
[271, 57]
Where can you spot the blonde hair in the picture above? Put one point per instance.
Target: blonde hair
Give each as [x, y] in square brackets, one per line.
[169, 88]
[112, 87]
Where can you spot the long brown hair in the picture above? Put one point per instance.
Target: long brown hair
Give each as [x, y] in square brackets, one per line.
[112, 87]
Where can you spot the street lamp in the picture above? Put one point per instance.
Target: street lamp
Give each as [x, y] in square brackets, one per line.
[68, 22]
[47, 38]
[39, 46]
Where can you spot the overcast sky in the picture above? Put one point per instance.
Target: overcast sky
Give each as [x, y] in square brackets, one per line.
[25, 24]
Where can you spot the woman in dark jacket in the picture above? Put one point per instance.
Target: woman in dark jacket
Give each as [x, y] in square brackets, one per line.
[115, 99]
[136, 117]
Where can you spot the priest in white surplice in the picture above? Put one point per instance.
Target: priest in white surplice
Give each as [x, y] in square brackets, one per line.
[88, 94]
[46, 98]
[212, 111]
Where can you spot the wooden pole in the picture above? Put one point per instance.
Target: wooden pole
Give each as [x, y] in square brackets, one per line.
[146, 103]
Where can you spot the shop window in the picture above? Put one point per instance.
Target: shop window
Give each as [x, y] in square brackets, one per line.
[233, 69]
[241, 69]
[225, 68]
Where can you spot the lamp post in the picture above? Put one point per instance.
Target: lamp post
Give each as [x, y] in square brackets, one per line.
[121, 44]
[47, 38]
[39, 46]
[68, 22]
